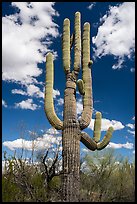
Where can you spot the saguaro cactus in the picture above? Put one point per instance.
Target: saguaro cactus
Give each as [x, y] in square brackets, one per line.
[71, 127]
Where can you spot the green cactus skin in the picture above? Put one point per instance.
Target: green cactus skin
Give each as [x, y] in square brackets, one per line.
[88, 141]
[97, 127]
[101, 145]
[49, 106]
[80, 85]
[66, 45]
[86, 76]
[71, 127]
[77, 46]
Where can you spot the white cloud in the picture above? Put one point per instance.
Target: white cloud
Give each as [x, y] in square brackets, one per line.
[116, 35]
[133, 118]
[91, 5]
[52, 131]
[41, 143]
[132, 132]
[4, 103]
[79, 106]
[56, 93]
[60, 101]
[119, 64]
[19, 143]
[106, 123]
[25, 41]
[18, 91]
[127, 145]
[33, 90]
[130, 125]
[28, 104]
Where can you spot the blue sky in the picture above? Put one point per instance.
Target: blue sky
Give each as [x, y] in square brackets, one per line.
[30, 31]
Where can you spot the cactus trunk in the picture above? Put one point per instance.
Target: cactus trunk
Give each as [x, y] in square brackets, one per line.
[71, 163]
[71, 146]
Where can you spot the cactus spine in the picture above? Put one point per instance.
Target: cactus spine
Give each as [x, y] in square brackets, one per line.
[72, 128]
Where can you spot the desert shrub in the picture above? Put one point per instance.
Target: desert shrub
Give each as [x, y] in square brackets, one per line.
[24, 182]
[103, 178]
[106, 179]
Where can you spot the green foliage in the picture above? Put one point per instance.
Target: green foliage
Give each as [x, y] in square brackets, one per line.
[55, 183]
[104, 178]
[23, 182]
[10, 190]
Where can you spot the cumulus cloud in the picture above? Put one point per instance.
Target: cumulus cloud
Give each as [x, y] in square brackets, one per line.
[127, 145]
[40, 143]
[26, 37]
[27, 104]
[34, 91]
[106, 123]
[116, 35]
[18, 91]
[4, 103]
[113, 145]
[130, 125]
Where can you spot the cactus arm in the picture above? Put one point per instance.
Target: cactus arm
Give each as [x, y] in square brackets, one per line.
[88, 141]
[49, 106]
[66, 45]
[94, 143]
[101, 145]
[86, 76]
[97, 127]
[77, 45]
[80, 86]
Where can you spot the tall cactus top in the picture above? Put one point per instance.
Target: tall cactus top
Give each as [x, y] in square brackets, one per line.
[77, 45]
[66, 45]
[80, 57]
